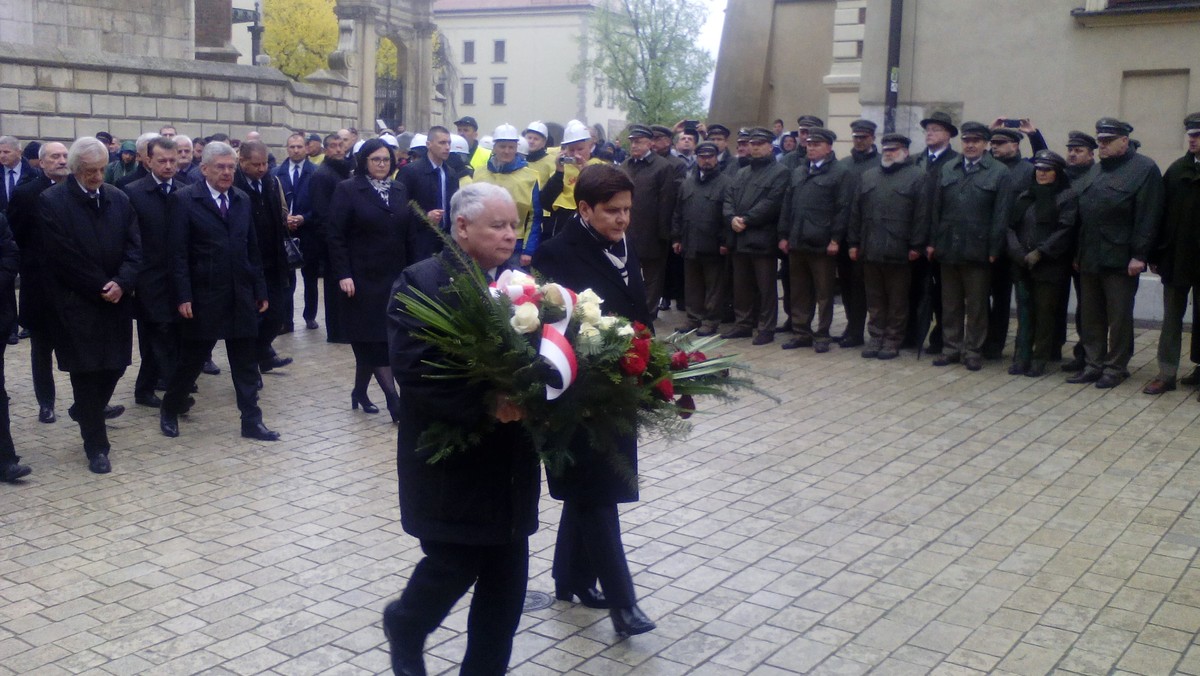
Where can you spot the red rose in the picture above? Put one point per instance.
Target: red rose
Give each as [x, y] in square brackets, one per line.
[642, 347]
[686, 406]
[665, 389]
[639, 328]
[633, 364]
[679, 361]
[697, 357]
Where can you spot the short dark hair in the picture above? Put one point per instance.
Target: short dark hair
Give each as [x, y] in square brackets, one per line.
[599, 183]
[160, 142]
[331, 137]
[223, 138]
[248, 148]
[438, 129]
[778, 121]
[368, 149]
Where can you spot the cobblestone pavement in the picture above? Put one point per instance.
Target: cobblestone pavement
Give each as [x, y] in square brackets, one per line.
[886, 516]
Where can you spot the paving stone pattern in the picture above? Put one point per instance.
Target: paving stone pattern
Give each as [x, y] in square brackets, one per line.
[885, 517]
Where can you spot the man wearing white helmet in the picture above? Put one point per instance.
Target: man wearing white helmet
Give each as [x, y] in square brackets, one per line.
[510, 171]
[431, 182]
[559, 191]
[540, 158]
[417, 147]
[460, 157]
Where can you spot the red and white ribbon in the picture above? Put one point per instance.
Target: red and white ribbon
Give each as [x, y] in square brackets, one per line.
[554, 347]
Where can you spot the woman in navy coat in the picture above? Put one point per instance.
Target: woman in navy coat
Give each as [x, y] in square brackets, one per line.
[368, 234]
[591, 253]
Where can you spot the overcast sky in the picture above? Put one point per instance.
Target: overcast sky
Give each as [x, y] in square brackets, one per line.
[710, 34]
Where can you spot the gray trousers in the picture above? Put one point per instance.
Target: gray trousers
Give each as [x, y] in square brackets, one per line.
[887, 286]
[813, 278]
[654, 275]
[965, 290]
[754, 281]
[1106, 302]
[1170, 340]
[704, 289]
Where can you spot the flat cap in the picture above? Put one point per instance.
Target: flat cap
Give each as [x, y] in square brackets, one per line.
[1007, 134]
[761, 134]
[863, 126]
[895, 139]
[314, 137]
[707, 148]
[821, 134]
[1048, 159]
[976, 130]
[943, 119]
[1079, 139]
[743, 133]
[1111, 127]
[1192, 123]
[659, 130]
[809, 121]
[640, 131]
[466, 121]
[718, 129]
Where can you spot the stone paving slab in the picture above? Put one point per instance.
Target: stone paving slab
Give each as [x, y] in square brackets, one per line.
[884, 517]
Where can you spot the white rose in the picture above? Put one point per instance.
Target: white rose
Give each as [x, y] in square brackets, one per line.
[606, 323]
[588, 297]
[625, 330]
[589, 331]
[589, 313]
[518, 278]
[525, 318]
[552, 296]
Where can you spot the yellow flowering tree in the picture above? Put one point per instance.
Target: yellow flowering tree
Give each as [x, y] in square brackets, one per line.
[299, 35]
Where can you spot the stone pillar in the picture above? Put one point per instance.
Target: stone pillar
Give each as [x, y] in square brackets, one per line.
[214, 31]
[419, 72]
[845, 75]
[361, 71]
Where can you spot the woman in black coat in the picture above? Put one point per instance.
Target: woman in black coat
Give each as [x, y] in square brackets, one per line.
[591, 253]
[368, 233]
[1041, 240]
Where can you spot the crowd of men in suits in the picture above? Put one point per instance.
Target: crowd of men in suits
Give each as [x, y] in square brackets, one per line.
[191, 237]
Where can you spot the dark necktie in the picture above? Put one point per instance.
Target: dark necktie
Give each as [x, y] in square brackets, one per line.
[165, 188]
[295, 176]
[11, 183]
[224, 205]
[258, 186]
[95, 198]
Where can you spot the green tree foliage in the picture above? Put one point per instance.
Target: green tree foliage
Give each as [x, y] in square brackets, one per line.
[646, 52]
[299, 36]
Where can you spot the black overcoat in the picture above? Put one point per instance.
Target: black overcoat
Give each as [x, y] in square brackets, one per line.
[9, 265]
[216, 265]
[156, 212]
[576, 260]
[485, 496]
[85, 250]
[269, 211]
[368, 243]
[421, 181]
[36, 312]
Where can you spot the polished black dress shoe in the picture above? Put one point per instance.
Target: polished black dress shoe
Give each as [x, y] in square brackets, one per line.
[152, 400]
[99, 464]
[210, 368]
[357, 400]
[259, 431]
[273, 363]
[735, 333]
[111, 412]
[1192, 378]
[288, 328]
[1109, 380]
[405, 651]
[591, 597]
[13, 471]
[630, 621]
[311, 324]
[1087, 375]
[46, 414]
[850, 341]
[168, 423]
[1075, 366]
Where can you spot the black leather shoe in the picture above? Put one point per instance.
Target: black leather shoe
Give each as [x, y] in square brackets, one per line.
[1085, 376]
[973, 363]
[763, 338]
[168, 423]
[886, 353]
[13, 339]
[705, 332]
[311, 324]
[850, 341]
[630, 621]
[259, 431]
[99, 464]
[111, 412]
[821, 346]
[1109, 380]
[1075, 366]
[664, 305]
[152, 400]
[273, 363]
[405, 651]
[737, 333]
[1017, 368]
[46, 414]
[23, 334]
[1192, 378]
[13, 471]
[1036, 369]
[947, 359]
[870, 353]
[357, 400]
[211, 369]
[592, 597]
[797, 342]
[287, 328]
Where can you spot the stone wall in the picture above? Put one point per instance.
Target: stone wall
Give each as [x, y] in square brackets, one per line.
[156, 28]
[59, 94]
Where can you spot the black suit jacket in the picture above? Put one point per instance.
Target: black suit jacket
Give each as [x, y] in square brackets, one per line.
[9, 264]
[216, 265]
[269, 211]
[485, 496]
[156, 212]
[28, 173]
[86, 249]
[421, 181]
[23, 218]
[297, 196]
[137, 175]
[576, 260]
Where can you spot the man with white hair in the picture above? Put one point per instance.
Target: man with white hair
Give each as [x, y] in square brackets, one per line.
[93, 255]
[183, 147]
[473, 519]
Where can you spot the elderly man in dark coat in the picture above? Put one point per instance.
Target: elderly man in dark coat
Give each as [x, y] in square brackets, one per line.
[158, 335]
[36, 313]
[11, 468]
[473, 512]
[218, 286]
[698, 233]
[93, 253]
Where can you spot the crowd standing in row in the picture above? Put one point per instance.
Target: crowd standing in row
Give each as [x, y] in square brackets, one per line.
[199, 241]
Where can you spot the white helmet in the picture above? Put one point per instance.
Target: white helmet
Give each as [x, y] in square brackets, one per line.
[522, 146]
[506, 132]
[358, 145]
[390, 140]
[419, 141]
[539, 127]
[487, 142]
[576, 131]
[458, 144]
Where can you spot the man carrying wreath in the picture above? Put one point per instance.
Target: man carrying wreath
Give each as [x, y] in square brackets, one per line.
[473, 512]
